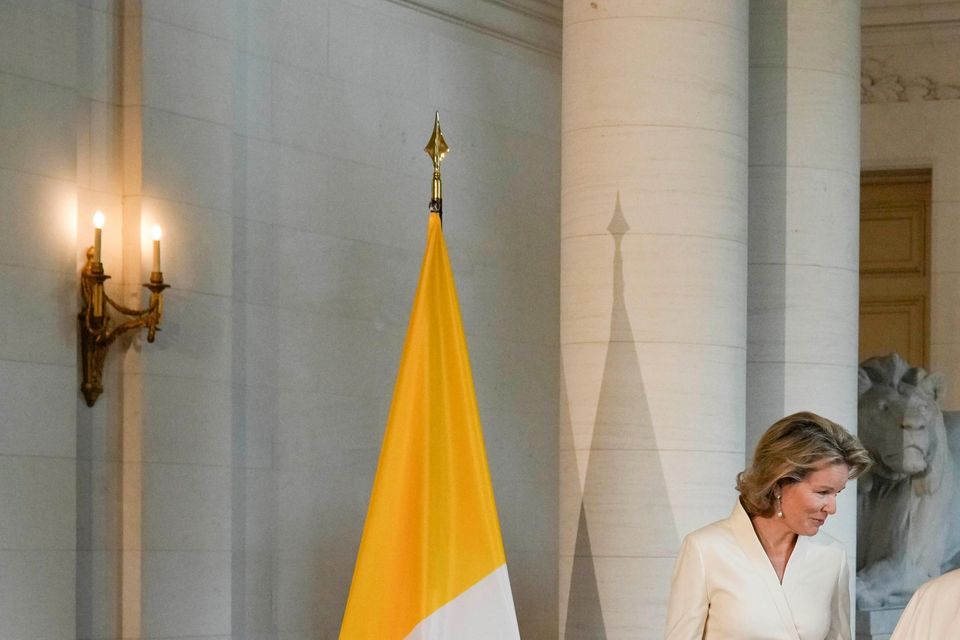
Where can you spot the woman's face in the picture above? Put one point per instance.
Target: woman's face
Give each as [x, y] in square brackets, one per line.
[806, 504]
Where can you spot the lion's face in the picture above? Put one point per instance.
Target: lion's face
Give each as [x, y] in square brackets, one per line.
[896, 426]
[907, 493]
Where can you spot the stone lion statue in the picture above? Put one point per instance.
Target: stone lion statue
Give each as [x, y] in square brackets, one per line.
[909, 502]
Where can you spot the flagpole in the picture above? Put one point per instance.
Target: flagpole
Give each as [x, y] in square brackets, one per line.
[437, 148]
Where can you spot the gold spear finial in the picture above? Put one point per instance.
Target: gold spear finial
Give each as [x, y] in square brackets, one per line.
[437, 148]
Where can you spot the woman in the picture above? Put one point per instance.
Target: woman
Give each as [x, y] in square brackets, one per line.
[767, 571]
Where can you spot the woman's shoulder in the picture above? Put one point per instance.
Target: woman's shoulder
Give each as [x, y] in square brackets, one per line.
[948, 582]
[824, 540]
[711, 533]
[826, 548]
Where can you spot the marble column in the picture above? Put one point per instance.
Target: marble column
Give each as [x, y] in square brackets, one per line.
[804, 218]
[653, 297]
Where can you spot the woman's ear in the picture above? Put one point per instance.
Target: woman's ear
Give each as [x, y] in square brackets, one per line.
[776, 490]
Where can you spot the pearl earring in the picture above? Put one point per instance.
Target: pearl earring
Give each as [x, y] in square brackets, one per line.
[779, 507]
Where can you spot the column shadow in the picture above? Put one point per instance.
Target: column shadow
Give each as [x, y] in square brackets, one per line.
[767, 221]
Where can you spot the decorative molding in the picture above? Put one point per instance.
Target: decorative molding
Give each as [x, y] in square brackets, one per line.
[898, 23]
[879, 84]
[876, 15]
[548, 10]
[532, 24]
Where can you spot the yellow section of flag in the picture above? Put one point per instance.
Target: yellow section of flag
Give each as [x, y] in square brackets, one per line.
[431, 530]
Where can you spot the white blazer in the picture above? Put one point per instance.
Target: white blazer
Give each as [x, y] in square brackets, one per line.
[933, 612]
[725, 587]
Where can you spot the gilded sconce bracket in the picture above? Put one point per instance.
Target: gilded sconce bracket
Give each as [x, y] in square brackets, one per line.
[94, 326]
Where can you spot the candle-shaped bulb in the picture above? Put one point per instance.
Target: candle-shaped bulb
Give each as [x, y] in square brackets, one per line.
[156, 233]
[98, 220]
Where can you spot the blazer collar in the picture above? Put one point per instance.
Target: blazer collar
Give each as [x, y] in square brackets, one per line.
[750, 544]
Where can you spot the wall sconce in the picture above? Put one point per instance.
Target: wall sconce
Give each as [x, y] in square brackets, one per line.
[96, 332]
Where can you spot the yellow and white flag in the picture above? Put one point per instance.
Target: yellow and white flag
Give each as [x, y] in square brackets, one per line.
[431, 563]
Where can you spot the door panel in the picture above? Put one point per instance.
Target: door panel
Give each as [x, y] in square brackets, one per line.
[894, 265]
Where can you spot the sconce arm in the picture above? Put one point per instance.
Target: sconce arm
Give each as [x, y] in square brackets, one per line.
[147, 318]
[127, 311]
[95, 332]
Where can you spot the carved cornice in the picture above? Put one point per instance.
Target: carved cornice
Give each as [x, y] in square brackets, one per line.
[884, 14]
[895, 22]
[550, 10]
[533, 24]
[879, 84]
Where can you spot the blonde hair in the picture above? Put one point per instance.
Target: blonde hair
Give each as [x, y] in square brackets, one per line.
[790, 449]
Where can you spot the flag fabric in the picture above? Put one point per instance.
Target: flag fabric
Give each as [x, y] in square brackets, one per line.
[431, 563]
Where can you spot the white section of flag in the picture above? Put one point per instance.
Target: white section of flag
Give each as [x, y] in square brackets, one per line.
[483, 612]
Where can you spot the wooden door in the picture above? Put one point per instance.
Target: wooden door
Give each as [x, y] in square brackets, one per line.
[895, 264]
